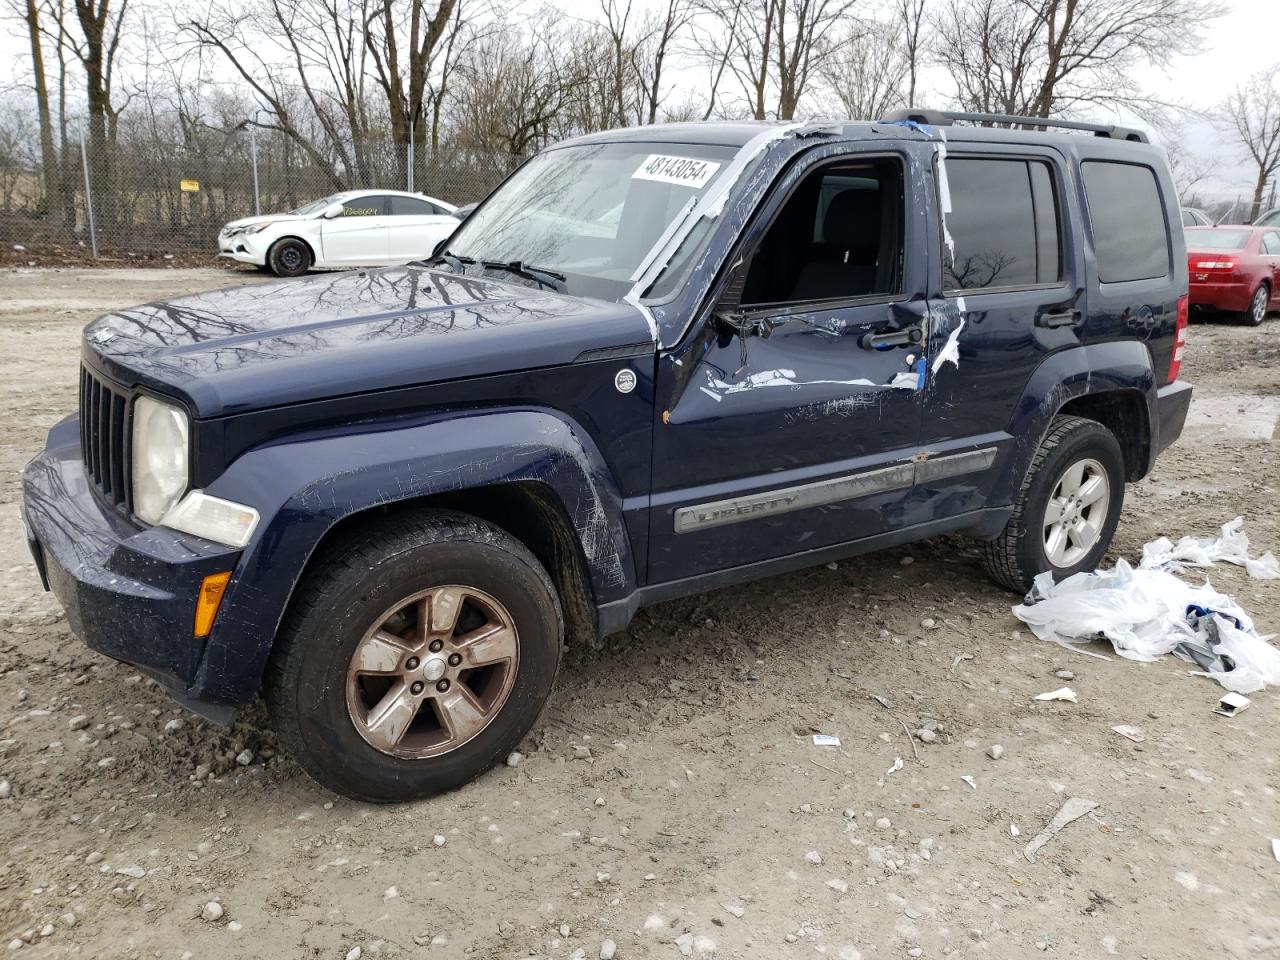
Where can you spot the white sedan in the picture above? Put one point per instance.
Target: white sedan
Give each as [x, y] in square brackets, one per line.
[359, 228]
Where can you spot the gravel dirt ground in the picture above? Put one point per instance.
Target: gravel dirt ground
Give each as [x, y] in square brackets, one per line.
[672, 799]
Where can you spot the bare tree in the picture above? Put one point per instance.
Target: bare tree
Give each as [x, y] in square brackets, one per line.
[1253, 112]
[912, 22]
[1042, 57]
[403, 38]
[101, 24]
[774, 47]
[866, 73]
[30, 12]
[660, 33]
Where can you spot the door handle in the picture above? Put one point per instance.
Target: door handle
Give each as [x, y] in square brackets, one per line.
[1064, 318]
[893, 338]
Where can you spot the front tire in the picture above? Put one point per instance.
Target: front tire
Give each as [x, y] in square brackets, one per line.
[289, 257]
[1257, 311]
[1066, 512]
[418, 652]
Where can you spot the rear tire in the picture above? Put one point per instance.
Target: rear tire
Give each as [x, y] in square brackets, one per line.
[1066, 512]
[289, 257]
[375, 685]
[1257, 311]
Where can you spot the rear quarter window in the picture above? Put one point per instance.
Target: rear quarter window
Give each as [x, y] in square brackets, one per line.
[1130, 235]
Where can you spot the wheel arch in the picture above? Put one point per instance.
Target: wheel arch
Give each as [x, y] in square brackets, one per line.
[529, 471]
[1113, 383]
[529, 510]
[311, 247]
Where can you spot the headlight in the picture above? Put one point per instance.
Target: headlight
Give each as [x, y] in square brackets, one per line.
[159, 458]
[259, 227]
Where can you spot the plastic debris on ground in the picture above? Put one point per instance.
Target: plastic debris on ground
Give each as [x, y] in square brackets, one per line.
[1062, 693]
[1275, 848]
[970, 781]
[1147, 613]
[825, 740]
[1072, 810]
[1130, 733]
[1231, 546]
[1231, 704]
[897, 765]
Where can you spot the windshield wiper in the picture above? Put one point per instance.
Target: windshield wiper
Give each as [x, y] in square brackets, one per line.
[452, 261]
[548, 278]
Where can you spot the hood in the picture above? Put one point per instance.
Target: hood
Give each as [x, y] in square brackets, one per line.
[338, 334]
[265, 218]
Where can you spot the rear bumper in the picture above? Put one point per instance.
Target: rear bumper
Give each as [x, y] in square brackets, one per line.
[1233, 296]
[129, 592]
[1172, 403]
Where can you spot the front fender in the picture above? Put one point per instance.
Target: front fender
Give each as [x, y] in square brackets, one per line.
[1120, 365]
[304, 485]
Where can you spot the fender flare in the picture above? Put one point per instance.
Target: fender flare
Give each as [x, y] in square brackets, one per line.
[1119, 366]
[305, 484]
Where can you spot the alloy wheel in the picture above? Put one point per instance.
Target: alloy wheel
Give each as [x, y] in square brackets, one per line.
[432, 672]
[1259, 307]
[1076, 512]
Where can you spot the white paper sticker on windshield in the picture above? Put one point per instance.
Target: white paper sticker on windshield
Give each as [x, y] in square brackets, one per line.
[685, 171]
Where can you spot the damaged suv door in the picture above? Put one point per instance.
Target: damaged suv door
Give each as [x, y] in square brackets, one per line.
[793, 400]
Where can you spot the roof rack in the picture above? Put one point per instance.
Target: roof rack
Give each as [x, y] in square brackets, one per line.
[945, 118]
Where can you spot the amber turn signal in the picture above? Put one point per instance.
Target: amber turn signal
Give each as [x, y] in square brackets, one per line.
[210, 598]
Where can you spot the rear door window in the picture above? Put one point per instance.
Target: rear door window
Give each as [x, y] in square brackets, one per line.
[410, 207]
[1271, 244]
[1003, 224]
[1130, 237]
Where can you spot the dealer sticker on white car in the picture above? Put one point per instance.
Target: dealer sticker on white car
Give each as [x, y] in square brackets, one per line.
[685, 171]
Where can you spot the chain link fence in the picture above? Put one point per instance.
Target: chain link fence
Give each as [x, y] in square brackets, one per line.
[149, 194]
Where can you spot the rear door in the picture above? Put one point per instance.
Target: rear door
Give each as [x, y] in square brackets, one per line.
[1008, 294]
[799, 435]
[359, 235]
[415, 226]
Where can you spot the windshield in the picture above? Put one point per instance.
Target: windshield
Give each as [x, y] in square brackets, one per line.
[1213, 238]
[315, 206]
[590, 212]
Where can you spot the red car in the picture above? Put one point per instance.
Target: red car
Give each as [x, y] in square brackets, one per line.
[1235, 269]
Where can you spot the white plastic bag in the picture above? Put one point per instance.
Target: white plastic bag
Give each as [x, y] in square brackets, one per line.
[1144, 614]
[1231, 546]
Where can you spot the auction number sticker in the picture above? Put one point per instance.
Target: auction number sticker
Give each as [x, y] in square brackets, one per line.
[684, 171]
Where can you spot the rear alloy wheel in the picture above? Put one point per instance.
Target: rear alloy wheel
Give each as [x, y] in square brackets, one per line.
[289, 257]
[1258, 306]
[1066, 512]
[419, 651]
[1076, 513]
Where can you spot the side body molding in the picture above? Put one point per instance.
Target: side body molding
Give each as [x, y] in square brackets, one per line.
[308, 483]
[1096, 368]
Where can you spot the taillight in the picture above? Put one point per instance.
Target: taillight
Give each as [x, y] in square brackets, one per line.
[1213, 265]
[1179, 339]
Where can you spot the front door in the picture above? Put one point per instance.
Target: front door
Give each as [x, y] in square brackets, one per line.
[787, 422]
[359, 235]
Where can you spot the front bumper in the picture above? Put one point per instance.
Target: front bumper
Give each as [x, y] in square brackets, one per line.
[1234, 296]
[129, 591]
[243, 249]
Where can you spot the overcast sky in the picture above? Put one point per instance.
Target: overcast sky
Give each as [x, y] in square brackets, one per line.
[1243, 41]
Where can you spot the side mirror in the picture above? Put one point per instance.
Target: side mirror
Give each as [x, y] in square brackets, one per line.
[439, 246]
[332, 210]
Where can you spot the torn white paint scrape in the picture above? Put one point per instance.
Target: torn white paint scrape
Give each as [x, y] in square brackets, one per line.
[950, 353]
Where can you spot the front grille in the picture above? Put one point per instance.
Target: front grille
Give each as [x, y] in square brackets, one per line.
[104, 411]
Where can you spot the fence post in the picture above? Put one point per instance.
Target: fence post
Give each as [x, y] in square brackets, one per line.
[253, 151]
[88, 197]
[408, 167]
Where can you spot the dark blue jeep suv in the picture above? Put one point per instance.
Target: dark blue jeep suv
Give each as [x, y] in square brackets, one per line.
[653, 362]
